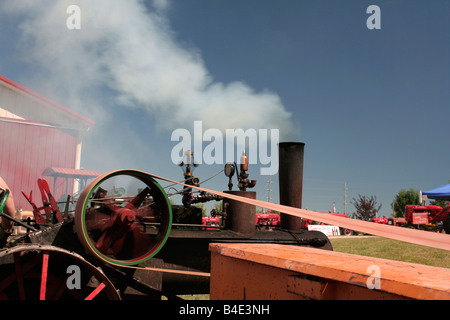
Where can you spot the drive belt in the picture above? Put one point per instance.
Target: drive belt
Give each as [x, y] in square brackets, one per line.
[419, 237]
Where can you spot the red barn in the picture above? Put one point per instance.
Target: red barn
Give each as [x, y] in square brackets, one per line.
[39, 139]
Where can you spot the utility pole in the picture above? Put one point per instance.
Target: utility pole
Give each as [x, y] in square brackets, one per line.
[269, 189]
[345, 197]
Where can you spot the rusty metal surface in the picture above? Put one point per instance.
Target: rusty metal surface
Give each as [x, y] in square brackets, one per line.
[297, 272]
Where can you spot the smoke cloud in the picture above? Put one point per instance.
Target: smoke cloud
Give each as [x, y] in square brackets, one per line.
[126, 50]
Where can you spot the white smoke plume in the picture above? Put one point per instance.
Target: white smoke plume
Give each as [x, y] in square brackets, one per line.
[128, 49]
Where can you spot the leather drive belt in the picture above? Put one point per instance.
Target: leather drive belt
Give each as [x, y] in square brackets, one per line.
[420, 237]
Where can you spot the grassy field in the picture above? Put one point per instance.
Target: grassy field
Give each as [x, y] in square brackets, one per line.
[392, 249]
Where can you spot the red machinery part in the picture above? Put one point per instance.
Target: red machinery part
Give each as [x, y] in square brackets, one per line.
[42, 272]
[123, 217]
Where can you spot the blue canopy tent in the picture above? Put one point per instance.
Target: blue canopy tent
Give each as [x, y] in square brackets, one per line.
[440, 193]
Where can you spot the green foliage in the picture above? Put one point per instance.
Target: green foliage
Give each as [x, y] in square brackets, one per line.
[219, 206]
[440, 203]
[403, 198]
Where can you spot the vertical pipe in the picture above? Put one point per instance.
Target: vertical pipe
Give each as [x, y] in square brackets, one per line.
[241, 217]
[290, 175]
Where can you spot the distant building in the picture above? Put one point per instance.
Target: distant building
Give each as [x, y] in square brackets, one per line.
[39, 139]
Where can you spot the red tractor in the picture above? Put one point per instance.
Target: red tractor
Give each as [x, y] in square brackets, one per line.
[428, 217]
[213, 223]
[383, 220]
[268, 219]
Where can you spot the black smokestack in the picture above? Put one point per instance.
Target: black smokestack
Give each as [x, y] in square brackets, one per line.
[291, 181]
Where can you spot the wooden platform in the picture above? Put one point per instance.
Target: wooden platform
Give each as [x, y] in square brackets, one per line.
[281, 272]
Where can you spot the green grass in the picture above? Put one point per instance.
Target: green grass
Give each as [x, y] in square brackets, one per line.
[393, 250]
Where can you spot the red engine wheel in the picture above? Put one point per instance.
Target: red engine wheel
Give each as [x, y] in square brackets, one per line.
[36, 272]
[123, 217]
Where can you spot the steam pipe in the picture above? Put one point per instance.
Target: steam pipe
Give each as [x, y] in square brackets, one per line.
[241, 216]
[290, 175]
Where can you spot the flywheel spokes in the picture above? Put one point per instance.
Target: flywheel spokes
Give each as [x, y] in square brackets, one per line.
[123, 217]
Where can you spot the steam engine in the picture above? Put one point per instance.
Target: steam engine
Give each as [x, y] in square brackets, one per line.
[129, 241]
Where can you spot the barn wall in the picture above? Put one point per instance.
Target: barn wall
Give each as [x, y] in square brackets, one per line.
[26, 150]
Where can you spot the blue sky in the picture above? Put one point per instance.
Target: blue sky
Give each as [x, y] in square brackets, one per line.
[372, 106]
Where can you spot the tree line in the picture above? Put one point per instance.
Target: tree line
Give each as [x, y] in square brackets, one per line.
[368, 207]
